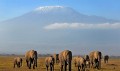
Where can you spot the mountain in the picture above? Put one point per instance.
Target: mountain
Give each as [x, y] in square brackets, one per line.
[27, 31]
[53, 14]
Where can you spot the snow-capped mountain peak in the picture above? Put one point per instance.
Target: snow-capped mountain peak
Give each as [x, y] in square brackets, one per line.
[46, 8]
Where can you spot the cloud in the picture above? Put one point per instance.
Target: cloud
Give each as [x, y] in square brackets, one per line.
[82, 26]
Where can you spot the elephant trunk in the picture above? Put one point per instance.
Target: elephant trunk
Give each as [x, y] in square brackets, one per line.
[21, 63]
[36, 62]
[100, 64]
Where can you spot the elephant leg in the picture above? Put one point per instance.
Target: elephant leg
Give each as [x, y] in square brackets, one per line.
[33, 64]
[36, 62]
[78, 68]
[96, 63]
[75, 64]
[83, 67]
[50, 67]
[99, 64]
[57, 61]
[29, 64]
[20, 63]
[53, 67]
[47, 67]
[14, 65]
[65, 66]
[61, 67]
[69, 65]
[89, 65]
[105, 61]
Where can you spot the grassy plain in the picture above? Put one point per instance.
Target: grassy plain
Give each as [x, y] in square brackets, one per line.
[6, 64]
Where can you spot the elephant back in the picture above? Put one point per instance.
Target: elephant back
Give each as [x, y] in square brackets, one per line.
[31, 54]
[97, 55]
[67, 55]
[56, 56]
[49, 60]
[80, 61]
[91, 55]
[75, 59]
[17, 59]
[106, 57]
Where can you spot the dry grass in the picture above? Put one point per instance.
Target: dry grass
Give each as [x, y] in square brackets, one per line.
[6, 64]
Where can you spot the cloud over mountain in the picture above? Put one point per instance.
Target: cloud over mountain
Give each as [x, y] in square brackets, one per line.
[82, 26]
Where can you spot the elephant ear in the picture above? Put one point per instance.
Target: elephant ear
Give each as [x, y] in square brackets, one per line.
[35, 52]
[69, 55]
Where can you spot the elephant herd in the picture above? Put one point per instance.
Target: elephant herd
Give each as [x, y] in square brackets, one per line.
[31, 59]
[64, 59]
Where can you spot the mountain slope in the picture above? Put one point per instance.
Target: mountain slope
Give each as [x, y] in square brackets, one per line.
[55, 14]
[27, 31]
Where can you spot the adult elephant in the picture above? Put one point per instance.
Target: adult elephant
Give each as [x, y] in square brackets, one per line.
[65, 58]
[49, 62]
[56, 57]
[106, 57]
[31, 58]
[95, 59]
[17, 62]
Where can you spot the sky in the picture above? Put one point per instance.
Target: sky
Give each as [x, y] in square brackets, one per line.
[104, 38]
[105, 8]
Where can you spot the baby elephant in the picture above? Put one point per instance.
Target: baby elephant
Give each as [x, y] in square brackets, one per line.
[80, 63]
[49, 62]
[75, 60]
[18, 62]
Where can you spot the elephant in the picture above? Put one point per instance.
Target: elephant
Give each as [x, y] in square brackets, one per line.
[49, 62]
[31, 58]
[74, 60]
[18, 62]
[56, 57]
[87, 61]
[80, 63]
[95, 59]
[106, 57]
[65, 58]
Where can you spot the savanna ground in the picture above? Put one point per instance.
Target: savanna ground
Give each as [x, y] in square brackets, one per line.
[6, 64]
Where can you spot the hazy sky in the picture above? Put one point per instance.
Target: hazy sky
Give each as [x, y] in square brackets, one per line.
[17, 40]
[106, 8]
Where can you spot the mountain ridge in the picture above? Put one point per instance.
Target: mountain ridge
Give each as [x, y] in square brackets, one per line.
[56, 14]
